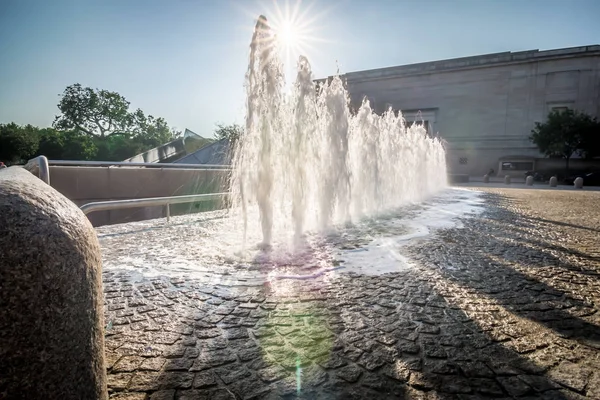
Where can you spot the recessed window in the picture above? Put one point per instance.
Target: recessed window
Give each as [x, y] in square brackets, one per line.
[517, 166]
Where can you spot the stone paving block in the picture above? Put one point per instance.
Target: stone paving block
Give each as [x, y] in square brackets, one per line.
[349, 373]
[204, 380]
[163, 395]
[571, 375]
[515, 386]
[152, 364]
[193, 395]
[271, 374]
[489, 320]
[145, 380]
[119, 381]
[232, 373]
[178, 364]
[128, 364]
[128, 396]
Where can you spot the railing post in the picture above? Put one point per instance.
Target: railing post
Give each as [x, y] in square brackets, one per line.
[168, 212]
[39, 166]
[44, 169]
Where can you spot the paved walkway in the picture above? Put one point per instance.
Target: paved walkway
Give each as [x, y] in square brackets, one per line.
[506, 307]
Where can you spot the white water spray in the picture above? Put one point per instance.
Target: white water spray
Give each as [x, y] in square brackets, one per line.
[308, 163]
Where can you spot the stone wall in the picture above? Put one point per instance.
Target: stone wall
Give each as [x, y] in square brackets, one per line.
[486, 106]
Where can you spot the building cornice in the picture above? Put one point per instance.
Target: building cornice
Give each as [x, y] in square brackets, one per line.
[463, 63]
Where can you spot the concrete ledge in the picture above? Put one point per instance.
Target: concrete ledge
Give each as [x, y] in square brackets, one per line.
[51, 312]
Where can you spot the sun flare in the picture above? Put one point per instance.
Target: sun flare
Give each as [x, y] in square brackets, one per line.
[287, 35]
[297, 28]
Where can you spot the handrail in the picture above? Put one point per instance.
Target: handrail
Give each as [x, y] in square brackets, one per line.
[40, 166]
[151, 201]
[136, 164]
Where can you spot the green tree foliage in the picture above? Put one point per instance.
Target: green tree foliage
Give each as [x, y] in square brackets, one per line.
[119, 147]
[566, 133]
[69, 145]
[230, 132]
[102, 114]
[17, 143]
[150, 131]
[94, 112]
[93, 125]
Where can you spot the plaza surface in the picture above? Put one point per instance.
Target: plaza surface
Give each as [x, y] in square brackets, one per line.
[502, 303]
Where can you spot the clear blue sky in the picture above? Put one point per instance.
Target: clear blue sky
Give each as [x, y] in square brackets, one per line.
[185, 60]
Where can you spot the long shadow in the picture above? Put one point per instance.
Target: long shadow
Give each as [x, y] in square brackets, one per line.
[528, 295]
[457, 327]
[545, 249]
[565, 224]
[353, 337]
[513, 231]
[516, 226]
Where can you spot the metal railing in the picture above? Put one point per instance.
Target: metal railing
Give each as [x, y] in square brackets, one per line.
[39, 165]
[208, 167]
[152, 201]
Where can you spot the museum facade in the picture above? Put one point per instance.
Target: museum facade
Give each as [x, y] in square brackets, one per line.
[484, 107]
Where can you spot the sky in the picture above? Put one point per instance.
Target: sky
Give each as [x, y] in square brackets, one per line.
[185, 60]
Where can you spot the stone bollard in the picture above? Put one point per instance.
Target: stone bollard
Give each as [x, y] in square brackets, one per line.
[553, 181]
[486, 178]
[507, 179]
[51, 314]
[578, 183]
[529, 180]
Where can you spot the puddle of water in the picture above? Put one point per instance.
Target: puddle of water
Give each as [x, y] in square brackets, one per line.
[384, 254]
[208, 247]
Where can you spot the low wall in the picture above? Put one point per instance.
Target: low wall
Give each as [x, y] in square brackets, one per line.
[84, 185]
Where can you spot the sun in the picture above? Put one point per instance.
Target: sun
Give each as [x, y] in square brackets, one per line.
[288, 35]
[296, 25]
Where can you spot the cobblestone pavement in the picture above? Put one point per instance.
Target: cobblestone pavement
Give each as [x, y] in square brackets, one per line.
[506, 307]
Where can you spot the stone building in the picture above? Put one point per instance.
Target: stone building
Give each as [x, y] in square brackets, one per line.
[485, 106]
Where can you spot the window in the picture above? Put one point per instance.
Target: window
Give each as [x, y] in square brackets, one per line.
[517, 166]
[463, 161]
[559, 106]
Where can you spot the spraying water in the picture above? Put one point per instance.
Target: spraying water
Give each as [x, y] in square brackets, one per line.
[308, 163]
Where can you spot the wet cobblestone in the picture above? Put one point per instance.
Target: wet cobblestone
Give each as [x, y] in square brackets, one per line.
[506, 307]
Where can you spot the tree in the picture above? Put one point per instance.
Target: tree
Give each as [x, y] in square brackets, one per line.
[230, 132]
[103, 113]
[151, 131]
[66, 145]
[119, 147]
[566, 133]
[94, 112]
[104, 116]
[17, 143]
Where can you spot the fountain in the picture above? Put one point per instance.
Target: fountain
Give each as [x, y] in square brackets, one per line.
[308, 163]
[319, 186]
